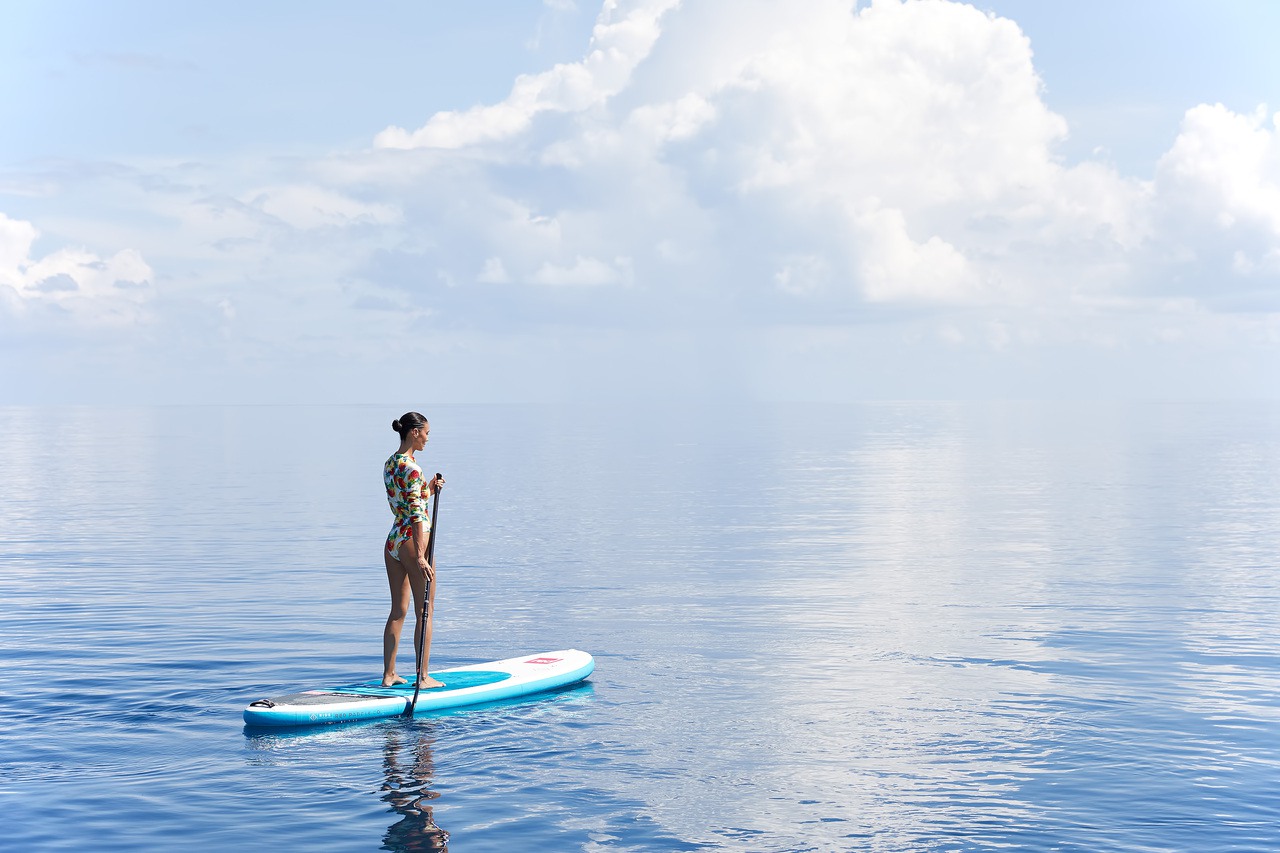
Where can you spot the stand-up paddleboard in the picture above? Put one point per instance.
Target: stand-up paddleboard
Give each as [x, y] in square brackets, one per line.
[463, 685]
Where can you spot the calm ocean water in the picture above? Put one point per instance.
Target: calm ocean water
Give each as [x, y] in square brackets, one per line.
[915, 627]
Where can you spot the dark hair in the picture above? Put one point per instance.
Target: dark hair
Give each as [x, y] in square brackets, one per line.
[408, 422]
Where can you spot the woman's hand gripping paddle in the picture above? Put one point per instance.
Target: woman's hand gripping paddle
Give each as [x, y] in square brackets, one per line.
[426, 593]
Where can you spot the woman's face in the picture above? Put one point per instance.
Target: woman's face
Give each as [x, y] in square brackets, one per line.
[420, 436]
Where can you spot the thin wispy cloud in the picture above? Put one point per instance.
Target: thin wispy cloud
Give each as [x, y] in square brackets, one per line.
[135, 62]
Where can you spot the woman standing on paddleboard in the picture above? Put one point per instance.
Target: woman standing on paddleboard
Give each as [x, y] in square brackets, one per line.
[409, 573]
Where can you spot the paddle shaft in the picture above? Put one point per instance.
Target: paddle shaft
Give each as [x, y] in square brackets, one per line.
[426, 598]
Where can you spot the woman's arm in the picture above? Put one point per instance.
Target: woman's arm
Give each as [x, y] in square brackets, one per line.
[420, 520]
[420, 532]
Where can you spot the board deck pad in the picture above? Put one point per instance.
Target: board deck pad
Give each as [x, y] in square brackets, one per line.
[464, 685]
[452, 681]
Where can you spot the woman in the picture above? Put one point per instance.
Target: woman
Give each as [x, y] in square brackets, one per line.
[405, 554]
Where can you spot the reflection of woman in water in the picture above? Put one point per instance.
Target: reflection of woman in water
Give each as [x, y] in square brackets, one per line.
[407, 792]
[408, 572]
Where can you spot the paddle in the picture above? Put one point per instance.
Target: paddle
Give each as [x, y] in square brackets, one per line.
[426, 597]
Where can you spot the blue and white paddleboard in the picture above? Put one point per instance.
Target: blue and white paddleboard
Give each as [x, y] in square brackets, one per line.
[463, 685]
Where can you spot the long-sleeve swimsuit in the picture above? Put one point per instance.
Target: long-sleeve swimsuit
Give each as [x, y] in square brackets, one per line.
[407, 495]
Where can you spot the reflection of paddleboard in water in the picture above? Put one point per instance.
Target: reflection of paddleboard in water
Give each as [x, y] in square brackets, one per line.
[463, 685]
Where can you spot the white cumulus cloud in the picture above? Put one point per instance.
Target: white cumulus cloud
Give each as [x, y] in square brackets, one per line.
[623, 37]
[95, 290]
[1217, 202]
[902, 148]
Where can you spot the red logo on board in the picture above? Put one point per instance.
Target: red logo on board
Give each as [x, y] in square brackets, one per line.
[544, 660]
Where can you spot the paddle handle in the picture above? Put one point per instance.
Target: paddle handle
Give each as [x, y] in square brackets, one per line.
[435, 513]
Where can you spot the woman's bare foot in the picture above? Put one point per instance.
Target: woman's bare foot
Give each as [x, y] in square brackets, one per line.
[392, 680]
[428, 683]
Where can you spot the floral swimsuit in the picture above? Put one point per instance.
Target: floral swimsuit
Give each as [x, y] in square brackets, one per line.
[407, 495]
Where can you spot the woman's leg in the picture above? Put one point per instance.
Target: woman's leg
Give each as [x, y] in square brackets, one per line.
[398, 581]
[418, 583]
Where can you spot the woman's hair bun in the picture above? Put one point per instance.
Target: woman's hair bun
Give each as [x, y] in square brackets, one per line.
[408, 422]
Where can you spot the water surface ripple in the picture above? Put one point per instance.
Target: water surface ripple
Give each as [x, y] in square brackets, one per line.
[891, 627]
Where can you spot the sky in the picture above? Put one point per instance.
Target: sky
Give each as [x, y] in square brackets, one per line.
[638, 200]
